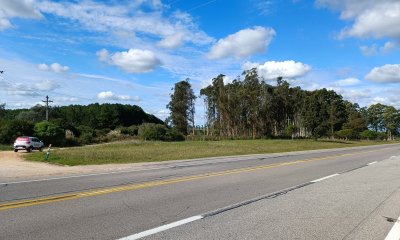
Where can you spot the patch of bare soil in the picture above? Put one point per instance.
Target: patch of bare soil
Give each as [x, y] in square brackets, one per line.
[13, 168]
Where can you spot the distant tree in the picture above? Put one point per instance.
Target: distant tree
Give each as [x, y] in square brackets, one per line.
[50, 133]
[11, 129]
[355, 120]
[291, 130]
[2, 110]
[375, 116]
[391, 119]
[182, 106]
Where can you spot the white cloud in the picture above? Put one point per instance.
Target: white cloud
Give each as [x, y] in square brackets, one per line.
[108, 95]
[130, 17]
[103, 54]
[388, 47]
[347, 82]
[287, 69]
[172, 41]
[389, 73]
[372, 18]
[263, 6]
[54, 67]
[369, 50]
[243, 43]
[22, 89]
[46, 85]
[374, 50]
[12, 9]
[132, 61]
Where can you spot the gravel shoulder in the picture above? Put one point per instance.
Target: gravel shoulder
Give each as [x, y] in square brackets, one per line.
[14, 168]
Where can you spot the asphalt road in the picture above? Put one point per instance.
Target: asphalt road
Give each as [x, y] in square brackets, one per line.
[248, 197]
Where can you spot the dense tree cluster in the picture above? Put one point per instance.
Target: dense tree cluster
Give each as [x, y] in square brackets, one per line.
[250, 107]
[74, 124]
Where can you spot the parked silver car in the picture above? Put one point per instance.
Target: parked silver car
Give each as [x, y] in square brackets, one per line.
[28, 144]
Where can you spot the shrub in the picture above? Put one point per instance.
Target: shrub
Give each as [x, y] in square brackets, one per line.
[173, 135]
[151, 131]
[369, 135]
[10, 130]
[131, 130]
[86, 138]
[50, 133]
[347, 134]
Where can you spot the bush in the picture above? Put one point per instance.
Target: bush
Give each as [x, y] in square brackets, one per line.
[151, 131]
[85, 134]
[131, 130]
[86, 138]
[347, 134]
[173, 135]
[10, 130]
[381, 136]
[50, 133]
[369, 135]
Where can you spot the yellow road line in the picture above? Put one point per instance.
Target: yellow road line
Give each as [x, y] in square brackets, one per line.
[136, 186]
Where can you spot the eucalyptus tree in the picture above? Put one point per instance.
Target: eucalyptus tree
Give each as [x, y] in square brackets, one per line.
[391, 118]
[182, 106]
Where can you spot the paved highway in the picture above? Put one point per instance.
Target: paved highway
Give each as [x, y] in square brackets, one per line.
[326, 194]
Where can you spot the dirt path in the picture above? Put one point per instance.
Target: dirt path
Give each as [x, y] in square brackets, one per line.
[13, 168]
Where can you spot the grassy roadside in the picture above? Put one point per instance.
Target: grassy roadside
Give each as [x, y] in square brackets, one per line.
[5, 147]
[136, 151]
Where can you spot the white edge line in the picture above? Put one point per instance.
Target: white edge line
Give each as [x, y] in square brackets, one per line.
[162, 228]
[371, 163]
[394, 233]
[323, 178]
[82, 175]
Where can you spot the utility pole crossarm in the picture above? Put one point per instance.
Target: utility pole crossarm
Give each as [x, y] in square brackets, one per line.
[47, 101]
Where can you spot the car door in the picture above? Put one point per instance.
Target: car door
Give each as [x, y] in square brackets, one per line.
[35, 142]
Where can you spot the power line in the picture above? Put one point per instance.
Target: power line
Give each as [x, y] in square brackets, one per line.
[47, 107]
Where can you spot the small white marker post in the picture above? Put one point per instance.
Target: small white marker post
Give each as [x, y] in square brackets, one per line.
[46, 156]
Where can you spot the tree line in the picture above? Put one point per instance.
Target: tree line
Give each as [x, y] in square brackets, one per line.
[76, 124]
[248, 107]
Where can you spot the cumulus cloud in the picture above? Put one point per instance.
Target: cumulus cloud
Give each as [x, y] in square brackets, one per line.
[287, 69]
[54, 67]
[371, 18]
[243, 43]
[347, 82]
[131, 61]
[108, 95]
[389, 73]
[12, 9]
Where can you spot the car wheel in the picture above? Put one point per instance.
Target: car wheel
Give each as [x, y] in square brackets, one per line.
[29, 149]
[15, 150]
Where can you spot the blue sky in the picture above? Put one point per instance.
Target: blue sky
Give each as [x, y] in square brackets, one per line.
[132, 52]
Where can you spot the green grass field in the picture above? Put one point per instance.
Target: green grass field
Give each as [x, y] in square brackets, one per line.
[137, 151]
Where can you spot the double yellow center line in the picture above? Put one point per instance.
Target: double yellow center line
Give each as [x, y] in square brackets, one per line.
[136, 186]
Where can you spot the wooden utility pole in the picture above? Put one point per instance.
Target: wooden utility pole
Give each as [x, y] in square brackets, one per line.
[47, 101]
